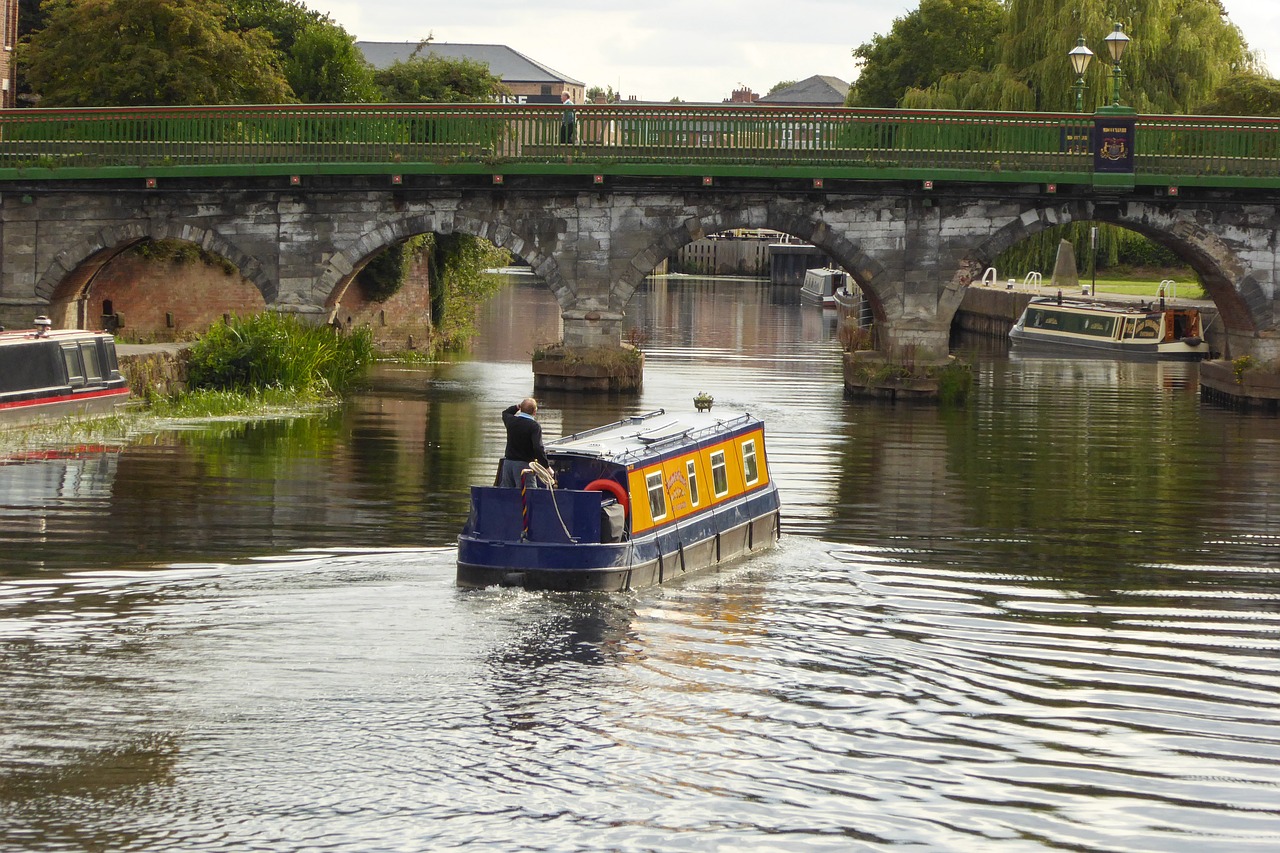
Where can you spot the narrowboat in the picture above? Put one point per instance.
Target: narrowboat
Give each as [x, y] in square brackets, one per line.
[643, 501]
[1142, 331]
[46, 374]
[820, 286]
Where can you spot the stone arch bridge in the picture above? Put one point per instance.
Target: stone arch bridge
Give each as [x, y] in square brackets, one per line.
[911, 246]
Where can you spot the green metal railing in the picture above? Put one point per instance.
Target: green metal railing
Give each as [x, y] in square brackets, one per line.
[622, 139]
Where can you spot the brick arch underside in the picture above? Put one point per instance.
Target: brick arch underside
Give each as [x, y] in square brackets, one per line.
[866, 271]
[72, 270]
[347, 262]
[1240, 300]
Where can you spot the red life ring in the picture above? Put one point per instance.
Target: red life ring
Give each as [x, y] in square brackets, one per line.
[612, 488]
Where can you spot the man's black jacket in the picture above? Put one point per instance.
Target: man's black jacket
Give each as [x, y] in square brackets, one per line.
[524, 438]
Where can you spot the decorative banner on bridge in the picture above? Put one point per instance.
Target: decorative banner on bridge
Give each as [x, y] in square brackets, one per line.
[1113, 144]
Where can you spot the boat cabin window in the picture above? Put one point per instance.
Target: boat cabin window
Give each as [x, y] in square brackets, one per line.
[92, 363]
[657, 498]
[75, 367]
[719, 474]
[750, 470]
[691, 468]
[1129, 324]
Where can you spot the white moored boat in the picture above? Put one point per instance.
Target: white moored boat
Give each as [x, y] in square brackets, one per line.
[1146, 331]
[820, 286]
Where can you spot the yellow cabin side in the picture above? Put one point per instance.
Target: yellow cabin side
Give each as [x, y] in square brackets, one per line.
[683, 485]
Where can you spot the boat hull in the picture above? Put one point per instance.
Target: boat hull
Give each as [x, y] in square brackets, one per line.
[1146, 351]
[87, 404]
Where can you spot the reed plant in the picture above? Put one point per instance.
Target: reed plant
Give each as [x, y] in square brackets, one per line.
[272, 350]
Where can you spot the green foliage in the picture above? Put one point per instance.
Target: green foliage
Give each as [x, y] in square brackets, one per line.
[274, 350]
[955, 382]
[458, 269]
[149, 52]
[1244, 94]
[181, 252]
[385, 274]
[596, 92]
[433, 79]
[939, 37]
[1179, 55]
[1242, 365]
[1117, 247]
[319, 57]
[779, 86]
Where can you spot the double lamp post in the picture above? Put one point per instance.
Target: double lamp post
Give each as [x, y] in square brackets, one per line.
[1080, 57]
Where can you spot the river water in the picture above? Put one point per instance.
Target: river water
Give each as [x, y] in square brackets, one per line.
[1049, 620]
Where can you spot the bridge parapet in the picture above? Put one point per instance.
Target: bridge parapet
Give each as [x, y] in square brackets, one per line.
[806, 143]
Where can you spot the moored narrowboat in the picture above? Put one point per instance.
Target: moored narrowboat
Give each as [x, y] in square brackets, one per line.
[821, 286]
[47, 374]
[1143, 331]
[643, 501]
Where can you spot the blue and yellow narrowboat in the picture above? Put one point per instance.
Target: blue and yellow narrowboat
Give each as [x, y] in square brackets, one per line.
[643, 501]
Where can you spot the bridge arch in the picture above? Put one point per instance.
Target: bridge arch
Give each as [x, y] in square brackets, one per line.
[492, 225]
[1238, 294]
[837, 243]
[73, 269]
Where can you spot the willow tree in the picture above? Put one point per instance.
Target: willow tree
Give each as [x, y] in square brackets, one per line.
[1180, 52]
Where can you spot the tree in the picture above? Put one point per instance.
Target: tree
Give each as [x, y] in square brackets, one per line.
[149, 52]
[434, 79]
[1180, 52]
[940, 37]
[779, 86]
[319, 57]
[597, 92]
[1244, 94]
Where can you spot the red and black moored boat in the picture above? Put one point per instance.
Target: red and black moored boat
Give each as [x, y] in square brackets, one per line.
[47, 374]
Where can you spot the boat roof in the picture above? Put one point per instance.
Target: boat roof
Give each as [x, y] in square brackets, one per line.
[18, 336]
[656, 433]
[1095, 307]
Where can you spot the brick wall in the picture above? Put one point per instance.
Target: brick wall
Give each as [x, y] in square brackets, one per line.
[401, 322]
[165, 300]
[171, 301]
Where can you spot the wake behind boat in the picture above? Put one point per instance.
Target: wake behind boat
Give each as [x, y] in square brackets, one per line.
[46, 374]
[638, 502]
[1143, 331]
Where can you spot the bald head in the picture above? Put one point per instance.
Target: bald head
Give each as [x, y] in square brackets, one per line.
[529, 406]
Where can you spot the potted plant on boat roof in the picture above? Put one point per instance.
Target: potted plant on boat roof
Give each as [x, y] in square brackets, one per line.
[702, 402]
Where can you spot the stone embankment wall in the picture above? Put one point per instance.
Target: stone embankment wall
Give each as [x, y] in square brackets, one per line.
[159, 369]
[990, 312]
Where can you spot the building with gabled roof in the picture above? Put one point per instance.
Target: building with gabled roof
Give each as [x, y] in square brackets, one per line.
[529, 80]
[820, 90]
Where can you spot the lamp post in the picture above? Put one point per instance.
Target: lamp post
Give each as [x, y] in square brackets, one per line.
[1080, 57]
[1117, 41]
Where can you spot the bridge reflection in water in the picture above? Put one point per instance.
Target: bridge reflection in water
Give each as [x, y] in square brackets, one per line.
[1047, 618]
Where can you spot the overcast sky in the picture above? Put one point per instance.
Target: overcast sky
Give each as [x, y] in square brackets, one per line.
[697, 50]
